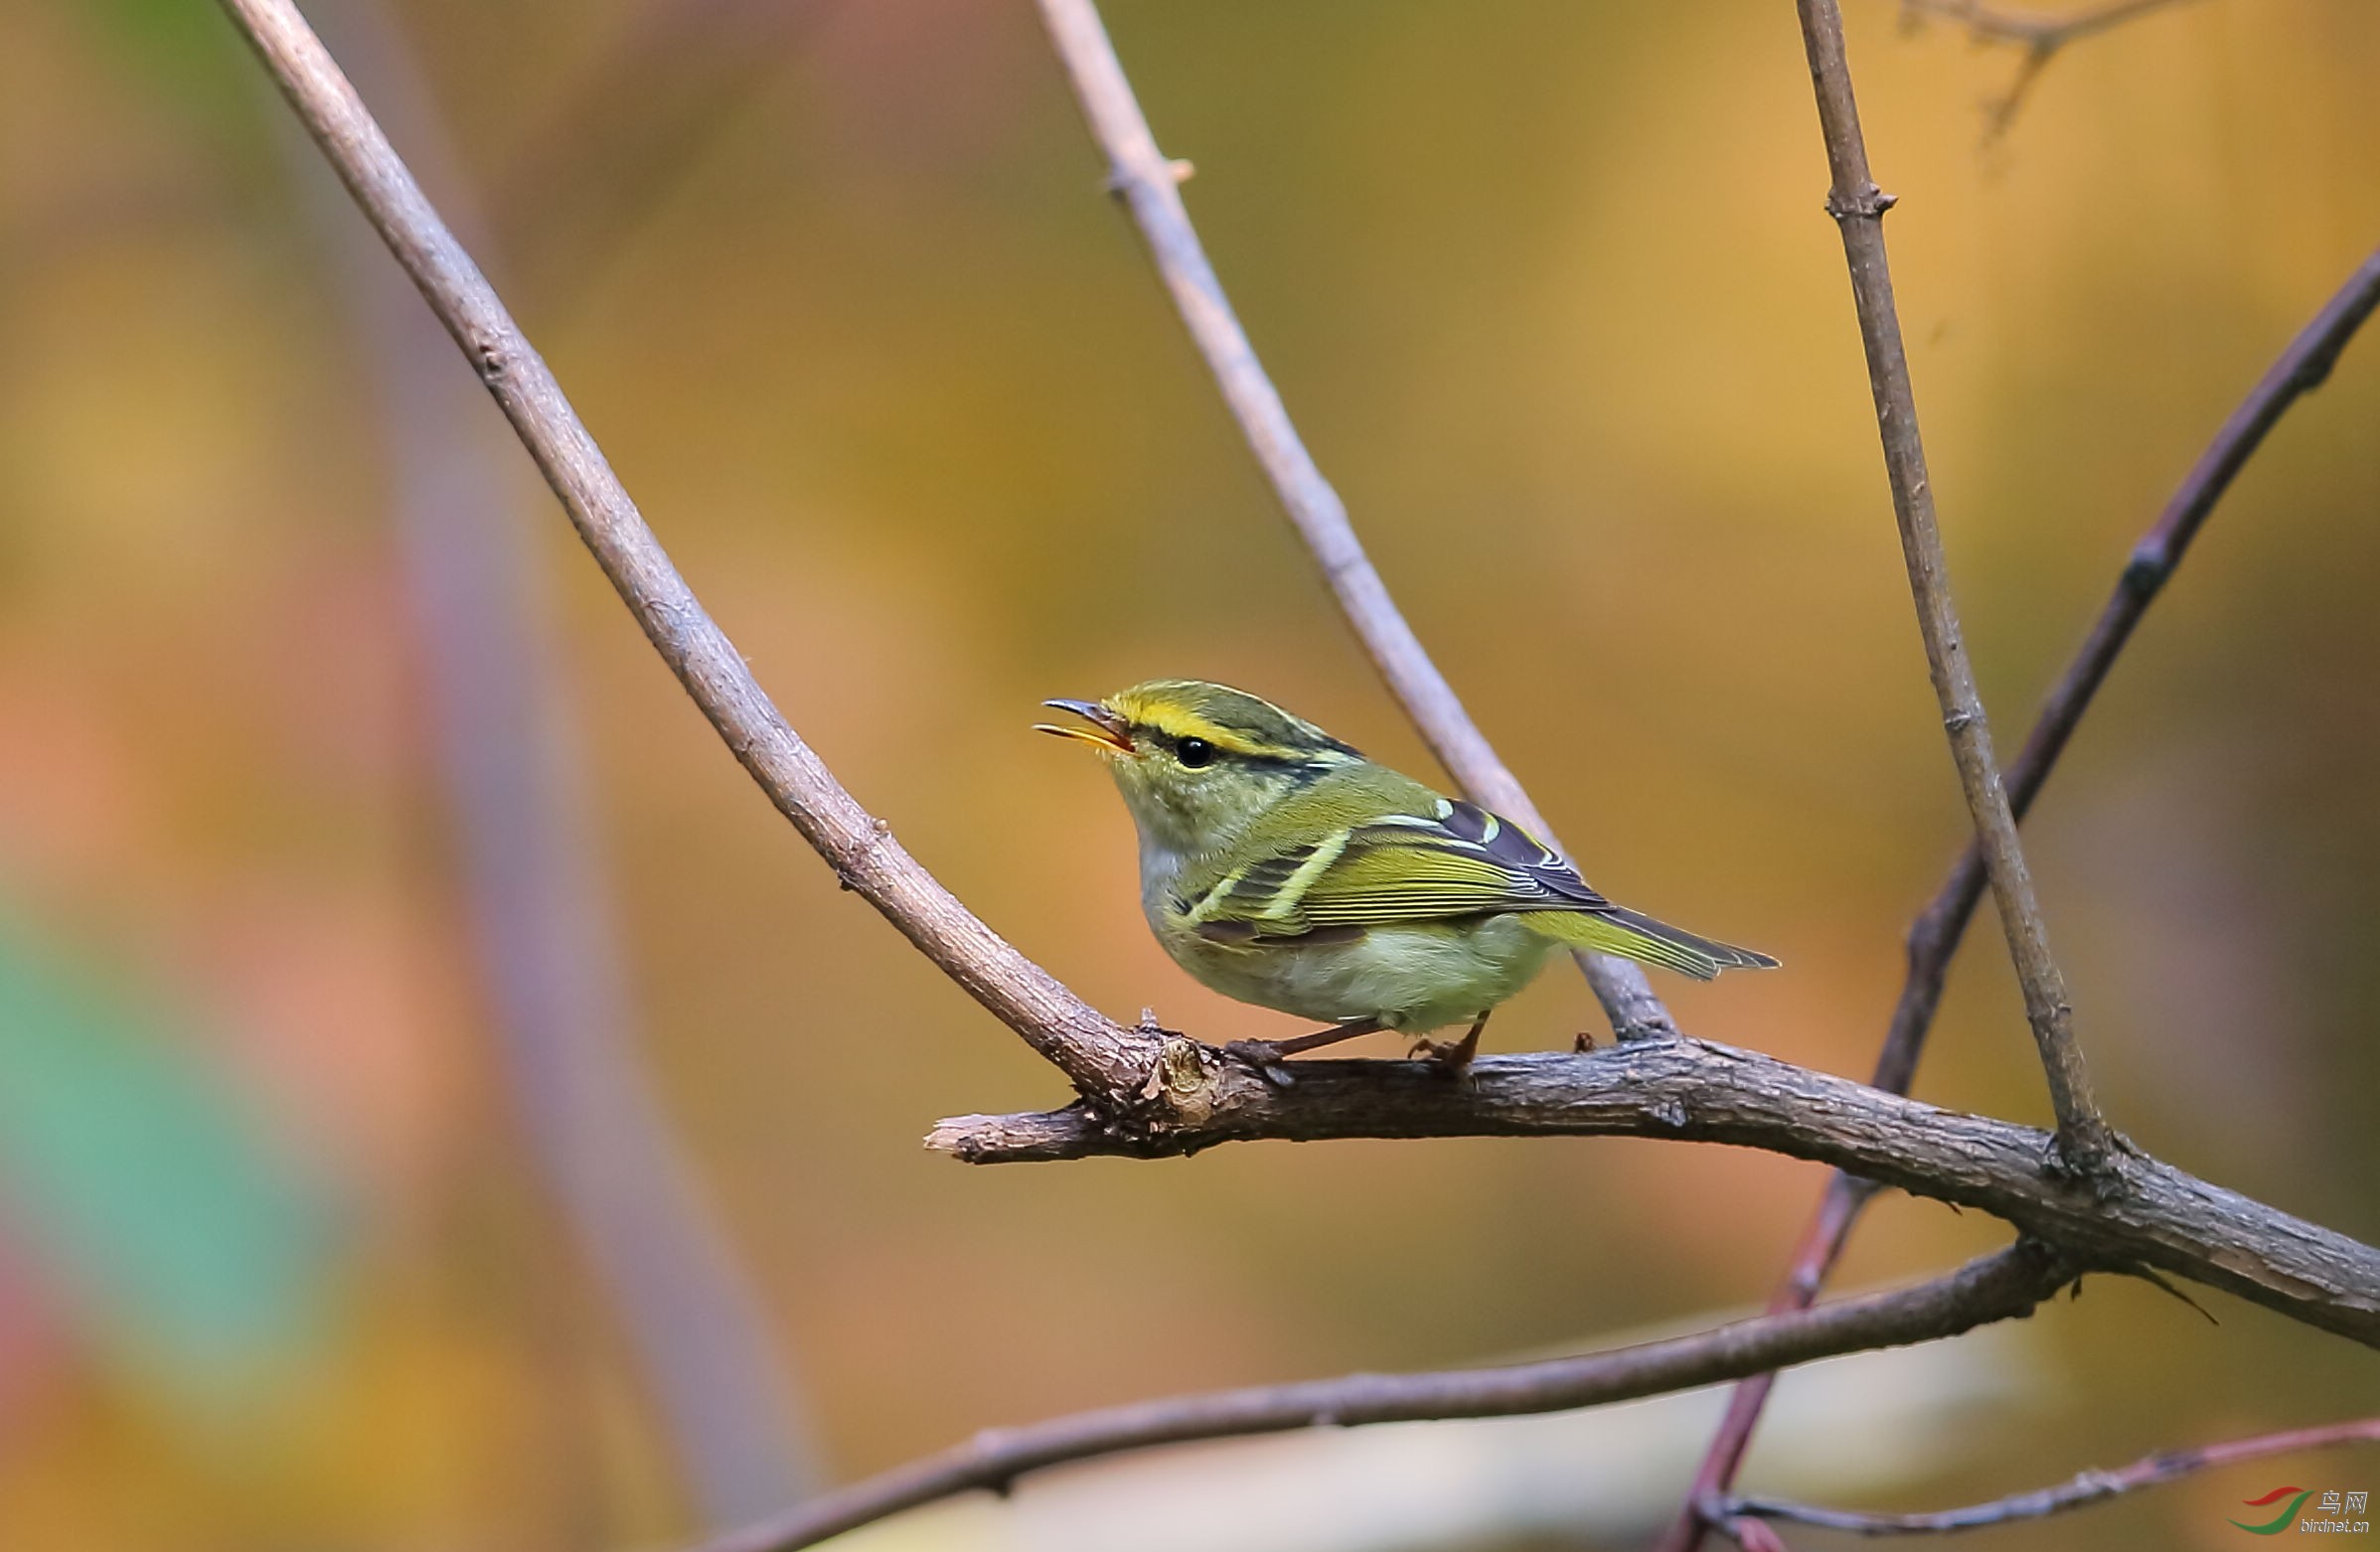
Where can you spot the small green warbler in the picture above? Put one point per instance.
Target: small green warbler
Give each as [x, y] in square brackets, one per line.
[1281, 867]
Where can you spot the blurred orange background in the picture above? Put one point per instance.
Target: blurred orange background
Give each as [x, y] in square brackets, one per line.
[1550, 292]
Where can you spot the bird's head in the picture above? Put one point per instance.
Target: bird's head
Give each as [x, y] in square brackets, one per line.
[1199, 762]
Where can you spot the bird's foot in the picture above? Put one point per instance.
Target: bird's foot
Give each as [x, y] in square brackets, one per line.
[1452, 1057]
[1266, 1057]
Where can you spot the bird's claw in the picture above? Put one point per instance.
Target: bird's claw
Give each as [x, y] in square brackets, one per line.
[1451, 1057]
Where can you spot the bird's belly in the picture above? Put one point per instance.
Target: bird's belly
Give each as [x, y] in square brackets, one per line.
[1415, 977]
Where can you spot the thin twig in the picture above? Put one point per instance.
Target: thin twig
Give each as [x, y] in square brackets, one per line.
[2040, 37]
[1099, 1055]
[2084, 1141]
[1148, 184]
[1689, 1090]
[2085, 1488]
[2006, 1284]
[1934, 938]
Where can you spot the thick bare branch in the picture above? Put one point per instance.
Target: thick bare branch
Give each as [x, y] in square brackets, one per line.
[1148, 184]
[1096, 1053]
[2300, 369]
[2003, 1286]
[1858, 208]
[1693, 1091]
[2084, 1488]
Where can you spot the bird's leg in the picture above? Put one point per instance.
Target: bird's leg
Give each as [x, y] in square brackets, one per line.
[1453, 1055]
[1265, 1055]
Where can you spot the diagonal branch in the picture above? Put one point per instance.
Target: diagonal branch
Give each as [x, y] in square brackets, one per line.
[2086, 1488]
[1148, 184]
[1690, 1090]
[1858, 207]
[1096, 1053]
[2301, 368]
[2006, 1284]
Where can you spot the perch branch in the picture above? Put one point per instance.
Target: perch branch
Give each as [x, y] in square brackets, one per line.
[1693, 1091]
[1149, 186]
[2301, 368]
[2085, 1488]
[2003, 1286]
[1858, 207]
[1097, 1054]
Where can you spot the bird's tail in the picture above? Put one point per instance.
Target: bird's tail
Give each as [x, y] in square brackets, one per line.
[1612, 930]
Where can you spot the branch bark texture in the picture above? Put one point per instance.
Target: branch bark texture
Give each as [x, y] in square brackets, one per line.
[1149, 186]
[2001, 1286]
[1858, 208]
[2154, 1215]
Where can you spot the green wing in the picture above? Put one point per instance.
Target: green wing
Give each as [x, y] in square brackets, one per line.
[1461, 862]
[1458, 861]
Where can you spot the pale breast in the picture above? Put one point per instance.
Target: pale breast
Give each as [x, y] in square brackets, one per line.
[1415, 977]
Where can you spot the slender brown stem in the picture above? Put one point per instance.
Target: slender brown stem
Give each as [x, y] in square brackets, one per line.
[1098, 1054]
[1859, 206]
[2300, 369]
[1149, 185]
[2004, 1284]
[2085, 1488]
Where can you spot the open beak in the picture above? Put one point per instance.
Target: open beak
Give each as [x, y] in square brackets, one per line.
[1108, 730]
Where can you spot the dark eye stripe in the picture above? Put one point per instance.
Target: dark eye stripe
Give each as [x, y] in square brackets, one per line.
[1178, 745]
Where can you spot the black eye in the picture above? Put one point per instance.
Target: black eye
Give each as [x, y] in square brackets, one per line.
[1195, 752]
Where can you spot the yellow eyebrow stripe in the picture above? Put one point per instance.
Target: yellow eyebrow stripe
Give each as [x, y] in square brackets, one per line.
[1178, 722]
